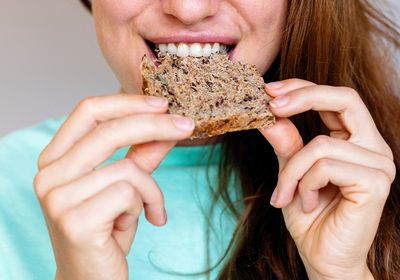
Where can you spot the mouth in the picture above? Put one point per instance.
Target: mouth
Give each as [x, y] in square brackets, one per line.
[193, 49]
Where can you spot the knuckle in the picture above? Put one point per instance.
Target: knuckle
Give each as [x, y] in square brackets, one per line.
[127, 166]
[126, 189]
[322, 165]
[52, 202]
[70, 227]
[99, 243]
[321, 142]
[388, 151]
[352, 94]
[381, 184]
[87, 104]
[393, 171]
[41, 162]
[390, 168]
[38, 185]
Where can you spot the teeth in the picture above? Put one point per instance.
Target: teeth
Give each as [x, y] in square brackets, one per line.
[163, 48]
[207, 50]
[183, 50]
[171, 48]
[195, 49]
[215, 48]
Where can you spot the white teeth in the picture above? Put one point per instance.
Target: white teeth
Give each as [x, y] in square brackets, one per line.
[194, 49]
[183, 50]
[215, 48]
[207, 50]
[163, 48]
[171, 48]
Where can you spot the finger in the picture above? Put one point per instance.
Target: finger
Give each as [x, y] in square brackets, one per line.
[94, 110]
[124, 233]
[124, 222]
[284, 138]
[358, 184]
[331, 119]
[148, 156]
[283, 87]
[280, 88]
[102, 142]
[348, 105]
[325, 147]
[61, 199]
[96, 216]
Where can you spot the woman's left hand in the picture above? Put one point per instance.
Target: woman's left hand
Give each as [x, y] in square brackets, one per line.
[333, 189]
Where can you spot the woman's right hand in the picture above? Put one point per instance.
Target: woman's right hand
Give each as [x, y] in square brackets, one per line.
[91, 213]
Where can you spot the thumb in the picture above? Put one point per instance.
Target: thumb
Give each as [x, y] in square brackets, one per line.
[284, 138]
[148, 156]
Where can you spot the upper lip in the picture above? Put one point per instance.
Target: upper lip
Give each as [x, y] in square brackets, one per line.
[202, 37]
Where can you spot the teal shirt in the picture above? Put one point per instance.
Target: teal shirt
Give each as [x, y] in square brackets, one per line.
[179, 246]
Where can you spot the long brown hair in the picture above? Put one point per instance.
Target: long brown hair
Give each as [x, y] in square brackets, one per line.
[339, 43]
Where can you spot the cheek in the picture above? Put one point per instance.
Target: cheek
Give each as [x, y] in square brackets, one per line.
[268, 16]
[114, 18]
[119, 11]
[266, 20]
[117, 37]
[270, 23]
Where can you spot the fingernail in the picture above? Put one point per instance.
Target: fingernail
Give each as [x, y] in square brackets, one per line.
[183, 123]
[274, 197]
[156, 101]
[274, 85]
[279, 101]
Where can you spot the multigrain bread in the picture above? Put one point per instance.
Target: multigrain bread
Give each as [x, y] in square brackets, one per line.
[218, 94]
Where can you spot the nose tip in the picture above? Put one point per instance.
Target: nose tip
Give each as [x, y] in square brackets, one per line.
[190, 11]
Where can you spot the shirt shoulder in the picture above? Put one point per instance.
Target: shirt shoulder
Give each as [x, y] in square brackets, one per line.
[19, 152]
[24, 242]
[23, 146]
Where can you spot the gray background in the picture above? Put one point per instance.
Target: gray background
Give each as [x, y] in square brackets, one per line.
[49, 60]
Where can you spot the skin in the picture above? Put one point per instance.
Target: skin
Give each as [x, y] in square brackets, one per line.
[330, 201]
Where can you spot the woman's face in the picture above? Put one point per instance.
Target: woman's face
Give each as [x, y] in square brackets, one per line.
[252, 27]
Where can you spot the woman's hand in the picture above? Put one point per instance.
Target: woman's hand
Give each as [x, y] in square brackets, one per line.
[92, 213]
[332, 190]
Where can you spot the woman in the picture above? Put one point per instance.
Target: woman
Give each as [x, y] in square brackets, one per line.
[329, 162]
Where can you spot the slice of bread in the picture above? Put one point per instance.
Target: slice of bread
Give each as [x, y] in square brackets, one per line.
[218, 94]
